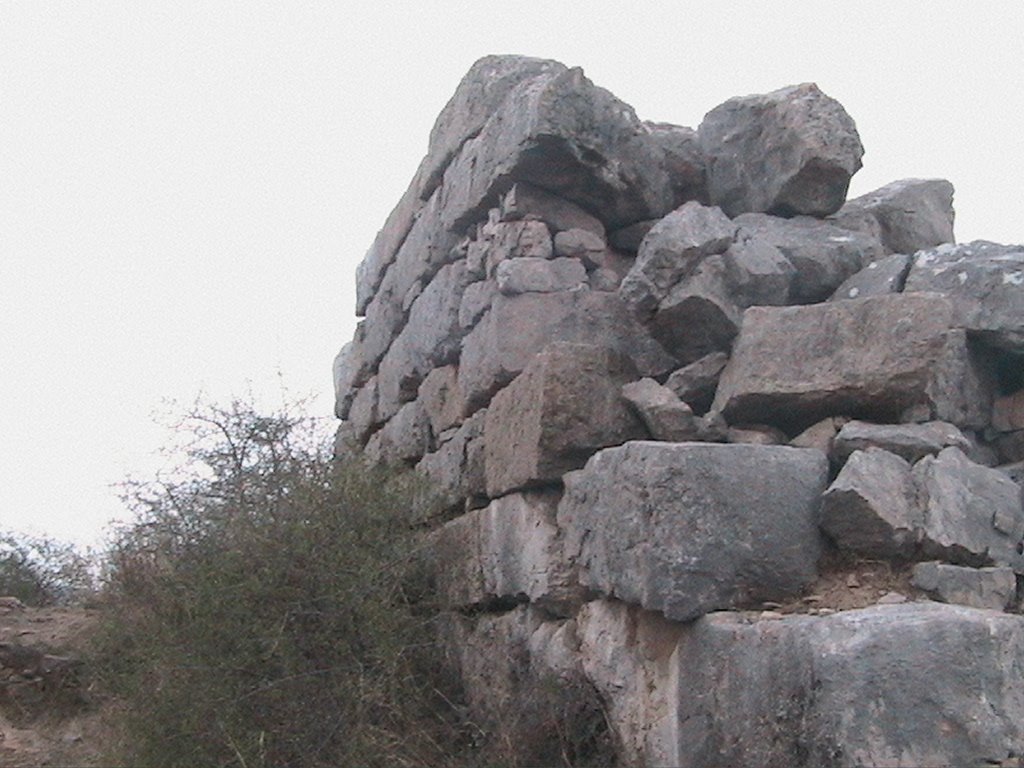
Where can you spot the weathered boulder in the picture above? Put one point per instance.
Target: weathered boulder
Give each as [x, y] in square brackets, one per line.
[871, 507]
[912, 214]
[869, 358]
[973, 515]
[363, 415]
[921, 684]
[985, 280]
[673, 249]
[756, 272]
[911, 441]
[476, 300]
[564, 406]
[559, 132]
[887, 275]
[533, 275]
[507, 551]
[664, 414]
[518, 327]
[822, 254]
[404, 439]
[788, 152]
[695, 383]
[525, 201]
[687, 528]
[991, 588]
[682, 159]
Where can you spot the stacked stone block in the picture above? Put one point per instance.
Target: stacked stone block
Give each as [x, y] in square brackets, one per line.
[661, 378]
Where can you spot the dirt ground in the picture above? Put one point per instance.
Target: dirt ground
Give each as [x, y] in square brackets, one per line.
[48, 719]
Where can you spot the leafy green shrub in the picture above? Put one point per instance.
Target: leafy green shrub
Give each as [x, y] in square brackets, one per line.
[42, 571]
[264, 609]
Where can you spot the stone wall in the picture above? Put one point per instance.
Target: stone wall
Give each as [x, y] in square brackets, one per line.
[740, 453]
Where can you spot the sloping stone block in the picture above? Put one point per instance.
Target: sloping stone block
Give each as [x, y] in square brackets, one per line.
[665, 415]
[985, 280]
[695, 383]
[973, 515]
[565, 405]
[456, 468]
[788, 152]
[878, 278]
[912, 214]
[917, 684]
[869, 358]
[518, 327]
[911, 441]
[871, 507]
[991, 588]
[822, 254]
[687, 528]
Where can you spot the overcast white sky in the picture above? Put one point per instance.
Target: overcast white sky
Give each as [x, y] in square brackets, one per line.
[186, 188]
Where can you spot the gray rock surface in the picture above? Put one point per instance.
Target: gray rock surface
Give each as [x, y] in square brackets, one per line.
[564, 406]
[916, 684]
[887, 275]
[792, 366]
[439, 397]
[683, 160]
[662, 412]
[820, 435]
[871, 507]
[456, 469]
[911, 441]
[787, 152]
[533, 275]
[518, 327]
[991, 588]
[986, 280]
[1008, 412]
[823, 254]
[673, 249]
[973, 515]
[687, 528]
[756, 272]
[912, 214]
[583, 245]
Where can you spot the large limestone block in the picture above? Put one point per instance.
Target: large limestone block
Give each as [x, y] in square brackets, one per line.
[871, 507]
[788, 152]
[986, 280]
[625, 653]
[917, 684]
[687, 528]
[518, 327]
[560, 132]
[671, 251]
[503, 553]
[973, 515]
[563, 407]
[533, 275]
[912, 214]
[870, 358]
[911, 441]
[823, 254]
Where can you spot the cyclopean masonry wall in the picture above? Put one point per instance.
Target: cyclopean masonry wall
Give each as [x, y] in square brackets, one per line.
[742, 454]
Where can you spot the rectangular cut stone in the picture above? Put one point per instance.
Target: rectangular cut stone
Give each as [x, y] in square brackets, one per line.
[564, 406]
[875, 358]
[508, 550]
[518, 327]
[687, 528]
[917, 684]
